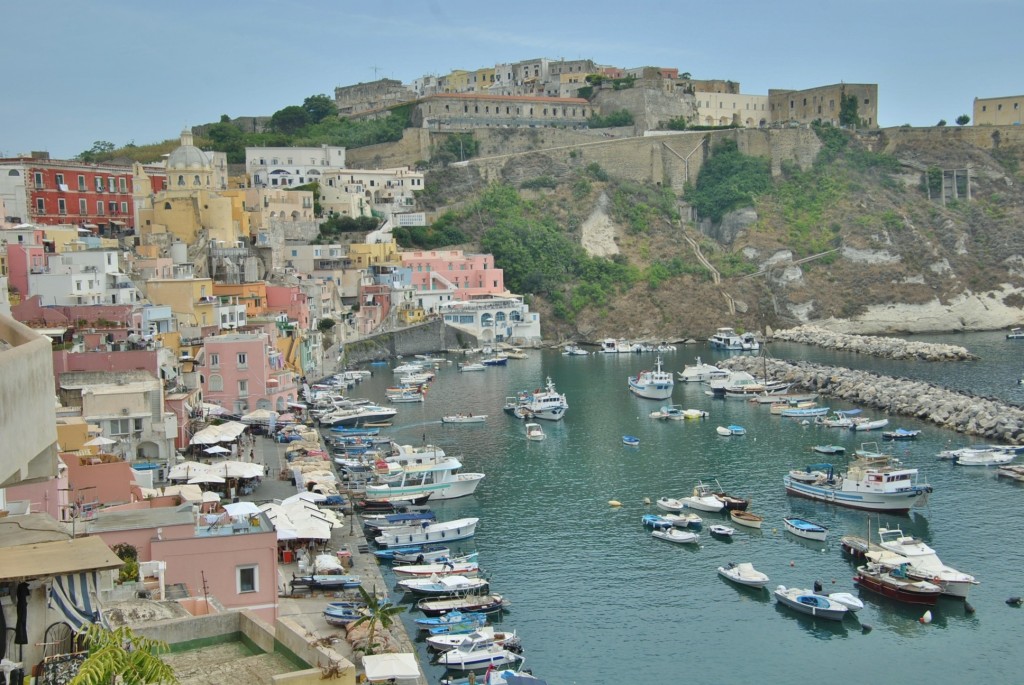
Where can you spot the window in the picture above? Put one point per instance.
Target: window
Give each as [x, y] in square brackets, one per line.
[121, 427]
[99, 207]
[111, 184]
[122, 184]
[37, 177]
[181, 180]
[124, 207]
[40, 205]
[60, 180]
[62, 207]
[81, 182]
[243, 360]
[214, 360]
[83, 207]
[113, 207]
[248, 578]
[216, 383]
[243, 388]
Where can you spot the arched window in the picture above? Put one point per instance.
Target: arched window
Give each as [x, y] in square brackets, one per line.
[181, 180]
[500, 317]
[13, 172]
[167, 205]
[486, 320]
[195, 180]
[216, 383]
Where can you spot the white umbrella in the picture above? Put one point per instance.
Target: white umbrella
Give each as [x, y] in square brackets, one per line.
[211, 497]
[305, 496]
[241, 508]
[217, 449]
[205, 478]
[390, 667]
[100, 441]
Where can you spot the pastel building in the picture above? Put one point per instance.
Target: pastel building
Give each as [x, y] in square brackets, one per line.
[291, 166]
[245, 371]
[998, 111]
[725, 109]
[83, 278]
[466, 276]
[390, 189]
[191, 299]
[495, 319]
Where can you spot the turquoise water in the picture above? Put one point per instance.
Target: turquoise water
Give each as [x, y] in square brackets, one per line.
[597, 600]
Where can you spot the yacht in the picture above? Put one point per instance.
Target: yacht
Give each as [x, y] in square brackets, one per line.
[701, 373]
[362, 415]
[726, 339]
[923, 562]
[652, 385]
[419, 471]
[545, 404]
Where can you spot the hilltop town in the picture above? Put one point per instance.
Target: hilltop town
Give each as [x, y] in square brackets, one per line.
[190, 300]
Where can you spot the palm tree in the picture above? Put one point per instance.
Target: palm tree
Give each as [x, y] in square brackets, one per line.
[122, 655]
[377, 613]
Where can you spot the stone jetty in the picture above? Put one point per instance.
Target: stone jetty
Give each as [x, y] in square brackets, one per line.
[963, 413]
[892, 348]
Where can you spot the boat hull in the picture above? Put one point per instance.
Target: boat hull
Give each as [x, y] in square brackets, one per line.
[896, 503]
[806, 529]
[813, 604]
[742, 518]
[876, 585]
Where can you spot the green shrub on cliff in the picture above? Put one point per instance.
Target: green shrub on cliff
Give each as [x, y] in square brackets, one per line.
[727, 181]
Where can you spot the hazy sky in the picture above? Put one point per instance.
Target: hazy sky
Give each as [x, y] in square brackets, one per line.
[141, 71]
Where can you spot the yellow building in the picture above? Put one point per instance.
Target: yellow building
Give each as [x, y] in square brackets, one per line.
[457, 82]
[191, 299]
[365, 255]
[252, 295]
[482, 80]
[1002, 111]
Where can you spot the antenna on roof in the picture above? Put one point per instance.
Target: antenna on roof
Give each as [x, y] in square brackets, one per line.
[376, 69]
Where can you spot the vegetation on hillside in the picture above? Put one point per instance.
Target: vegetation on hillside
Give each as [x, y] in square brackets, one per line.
[728, 180]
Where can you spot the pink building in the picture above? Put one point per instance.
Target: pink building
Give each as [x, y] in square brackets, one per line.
[185, 405]
[469, 276]
[290, 301]
[128, 360]
[98, 479]
[243, 372]
[32, 312]
[22, 260]
[233, 560]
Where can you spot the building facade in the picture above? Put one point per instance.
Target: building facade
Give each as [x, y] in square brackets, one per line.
[495, 319]
[466, 276]
[824, 104]
[290, 166]
[725, 109]
[999, 111]
[245, 371]
[472, 110]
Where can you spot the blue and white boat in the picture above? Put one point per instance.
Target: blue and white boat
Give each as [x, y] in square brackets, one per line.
[807, 602]
[447, 531]
[873, 484]
[415, 554]
[804, 412]
[900, 434]
[630, 441]
[655, 384]
[656, 522]
[805, 529]
[452, 622]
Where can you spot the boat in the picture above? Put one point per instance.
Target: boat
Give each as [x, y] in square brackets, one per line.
[901, 434]
[803, 412]
[407, 396]
[472, 366]
[726, 431]
[807, 602]
[484, 635]
[670, 504]
[703, 499]
[463, 566]
[470, 655]
[968, 456]
[730, 501]
[675, 412]
[726, 339]
[358, 416]
[375, 523]
[1016, 333]
[829, 449]
[924, 563]
[655, 521]
[656, 384]
[1012, 472]
[783, 398]
[613, 346]
[869, 424]
[676, 535]
[573, 350]
[544, 403]
[894, 583]
[805, 529]
[444, 586]
[694, 414]
[743, 573]
[630, 441]
[779, 407]
[343, 616]
[534, 432]
[877, 483]
[749, 342]
[496, 360]
[745, 518]
[687, 520]
[840, 419]
[516, 353]
[423, 554]
[848, 600]
[464, 418]
[326, 581]
[481, 604]
[451, 622]
[722, 530]
[447, 531]
[410, 474]
[700, 373]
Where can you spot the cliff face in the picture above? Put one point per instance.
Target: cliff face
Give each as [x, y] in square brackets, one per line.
[900, 231]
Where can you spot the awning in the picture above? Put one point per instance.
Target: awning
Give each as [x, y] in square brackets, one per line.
[55, 558]
[117, 223]
[383, 667]
[74, 596]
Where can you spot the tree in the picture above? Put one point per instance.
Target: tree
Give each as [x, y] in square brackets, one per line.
[319, 107]
[377, 613]
[290, 120]
[848, 111]
[963, 120]
[942, 122]
[122, 655]
[98, 149]
[325, 325]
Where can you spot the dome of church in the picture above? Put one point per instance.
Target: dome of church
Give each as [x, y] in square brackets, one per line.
[188, 156]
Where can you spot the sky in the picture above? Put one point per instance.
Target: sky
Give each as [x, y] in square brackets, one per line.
[130, 71]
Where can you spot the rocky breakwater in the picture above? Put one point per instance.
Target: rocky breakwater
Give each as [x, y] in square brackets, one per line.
[892, 348]
[960, 412]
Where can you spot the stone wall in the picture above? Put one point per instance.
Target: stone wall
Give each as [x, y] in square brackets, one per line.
[413, 147]
[433, 336]
[984, 137]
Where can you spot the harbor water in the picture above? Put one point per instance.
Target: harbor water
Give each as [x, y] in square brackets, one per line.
[595, 599]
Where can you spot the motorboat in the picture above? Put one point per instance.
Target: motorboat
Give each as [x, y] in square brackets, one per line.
[864, 424]
[703, 499]
[805, 529]
[440, 478]
[497, 360]
[894, 583]
[406, 396]
[726, 339]
[676, 535]
[675, 412]
[803, 412]
[444, 586]
[726, 431]
[630, 441]
[842, 418]
[779, 407]
[472, 366]
[481, 604]
[655, 521]
[694, 414]
[850, 601]
[484, 635]
[749, 342]
[516, 353]
[924, 563]
[978, 456]
[424, 554]
[326, 581]
[807, 602]
[464, 418]
[470, 655]
[743, 573]
[535, 432]
[722, 530]
[410, 367]
[452, 622]
[343, 616]
[462, 566]
[1012, 472]
[544, 403]
[687, 520]
[375, 523]
[1016, 333]
[787, 398]
[656, 384]
[447, 531]
[829, 449]
[745, 518]
[613, 346]
[730, 501]
[874, 483]
[573, 350]
[360, 415]
[670, 504]
[901, 434]
[700, 372]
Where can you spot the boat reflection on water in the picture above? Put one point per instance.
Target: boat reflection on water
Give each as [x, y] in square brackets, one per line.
[819, 628]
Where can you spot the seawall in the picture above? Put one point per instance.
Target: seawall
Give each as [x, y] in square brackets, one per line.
[432, 336]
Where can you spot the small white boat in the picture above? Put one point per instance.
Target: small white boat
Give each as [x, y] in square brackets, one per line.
[676, 535]
[688, 520]
[444, 586]
[573, 350]
[472, 655]
[806, 602]
[869, 424]
[483, 635]
[630, 441]
[745, 518]
[670, 504]
[805, 529]
[851, 602]
[722, 530]
[744, 574]
[723, 431]
[472, 367]
[534, 432]
[700, 373]
[731, 430]
[464, 418]
[1016, 333]
[703, 499]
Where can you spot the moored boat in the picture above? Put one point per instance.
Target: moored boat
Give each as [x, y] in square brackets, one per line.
[482, 604]
[677, 535]
[670, 504]
[464, 418]
[875, 483]
[700, 372]
[656, 384]
[721, 530]
[630, 441]
[900, 434]
[893, 582]
[746, 518]
[805, 529]
[703, 499]
[687, 520]
[924, 563]
[807, 602]
[447, 531]
[444, 586]
[743, 574]
[534, 432]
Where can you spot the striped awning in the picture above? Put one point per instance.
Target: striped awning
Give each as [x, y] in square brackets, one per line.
[74, 595]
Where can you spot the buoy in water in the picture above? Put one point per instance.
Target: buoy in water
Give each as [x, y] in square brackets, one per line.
[614, 503]
[792, 563]
[1015, 601]
[647, 500]
[968, 608]
[927, 618]
[865, 628]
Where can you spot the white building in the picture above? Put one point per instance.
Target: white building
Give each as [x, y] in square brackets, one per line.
[724, 109]
[388, 191]
[87, 277]
[291, 166]
[495, 319]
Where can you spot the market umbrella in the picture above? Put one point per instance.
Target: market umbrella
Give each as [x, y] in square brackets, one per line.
[21, 627]
[384, 667]
[100, 441]
[241, 508]
[217, 449]
[205, 478]
[211, 496]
